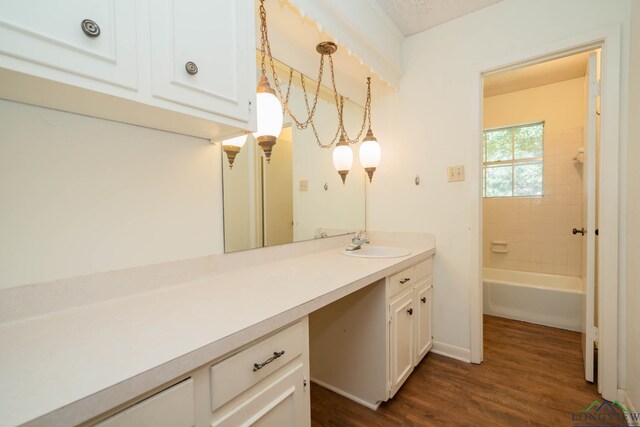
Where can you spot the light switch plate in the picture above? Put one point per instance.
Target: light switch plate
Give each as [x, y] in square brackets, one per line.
[455, 173]
[304, 185]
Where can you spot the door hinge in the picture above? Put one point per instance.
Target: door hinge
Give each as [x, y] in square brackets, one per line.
[595, 334]
[250, 106]
[304, 383]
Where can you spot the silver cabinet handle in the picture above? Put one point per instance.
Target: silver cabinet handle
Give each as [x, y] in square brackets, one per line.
[191, 68]
[90, 28]
[258, 366]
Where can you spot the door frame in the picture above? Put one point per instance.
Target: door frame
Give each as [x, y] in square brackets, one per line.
[609, 40]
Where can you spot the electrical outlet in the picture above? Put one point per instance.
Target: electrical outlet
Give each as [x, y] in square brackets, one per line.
[304, 185]
[455, 173]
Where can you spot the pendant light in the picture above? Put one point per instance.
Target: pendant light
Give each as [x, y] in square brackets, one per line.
[342, 158]
[369, 154]
[269, 112]
[232, 147]
[370, 149]
[268, 107]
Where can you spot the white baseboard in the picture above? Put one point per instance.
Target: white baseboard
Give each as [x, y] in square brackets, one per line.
[624, 398]
[373, 406]
[452, 351]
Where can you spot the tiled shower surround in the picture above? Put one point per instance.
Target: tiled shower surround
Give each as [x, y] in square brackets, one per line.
[538, 230]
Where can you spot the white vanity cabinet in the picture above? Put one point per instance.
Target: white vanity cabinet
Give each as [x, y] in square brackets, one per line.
[186, 66]
[410, 332]
[365, 345]
[401, 339]
[264, 384]
[172, 407]
[423, 323]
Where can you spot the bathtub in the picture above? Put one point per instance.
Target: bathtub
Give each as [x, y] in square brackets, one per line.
[545, 299]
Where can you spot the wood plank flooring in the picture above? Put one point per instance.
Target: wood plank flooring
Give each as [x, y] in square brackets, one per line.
[531, 375]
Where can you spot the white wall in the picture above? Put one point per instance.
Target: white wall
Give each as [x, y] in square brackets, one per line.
[81, 195]
[633, 216]
[433, 126]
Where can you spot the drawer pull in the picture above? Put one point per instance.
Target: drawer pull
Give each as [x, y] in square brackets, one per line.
[424, 300]
[90, 28]
[405, 280]
[410, 311]
[258, 366]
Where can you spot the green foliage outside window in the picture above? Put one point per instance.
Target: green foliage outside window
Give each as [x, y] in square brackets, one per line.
[513, 161]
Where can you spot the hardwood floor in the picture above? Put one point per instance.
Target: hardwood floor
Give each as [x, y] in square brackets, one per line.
[531, 375]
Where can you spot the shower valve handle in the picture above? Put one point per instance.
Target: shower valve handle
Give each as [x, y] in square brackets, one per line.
[581, 231]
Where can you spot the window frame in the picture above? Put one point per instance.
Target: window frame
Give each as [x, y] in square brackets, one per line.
[513, 162]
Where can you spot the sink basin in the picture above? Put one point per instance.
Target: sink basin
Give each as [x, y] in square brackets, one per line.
[377, 252]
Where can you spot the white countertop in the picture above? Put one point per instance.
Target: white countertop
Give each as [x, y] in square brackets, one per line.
[67, 366]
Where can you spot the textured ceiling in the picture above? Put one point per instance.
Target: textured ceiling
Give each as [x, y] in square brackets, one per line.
[414, 16]
[558, 70]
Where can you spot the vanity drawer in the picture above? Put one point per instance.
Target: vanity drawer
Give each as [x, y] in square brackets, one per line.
[172, 407]
[403, 280]
[424, 269]
[243, 370]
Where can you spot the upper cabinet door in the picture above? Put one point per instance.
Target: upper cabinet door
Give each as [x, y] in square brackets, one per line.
[95, 39]
[203, 55]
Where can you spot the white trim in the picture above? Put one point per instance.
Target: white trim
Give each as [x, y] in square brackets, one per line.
[624, 398]
[609, 39]
[451, 351]
[331, 18]
[345, 394]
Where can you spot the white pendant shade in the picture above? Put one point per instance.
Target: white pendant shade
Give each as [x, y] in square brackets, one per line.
[269, 111]
[342, 157]
[238, 141]
[369, 154]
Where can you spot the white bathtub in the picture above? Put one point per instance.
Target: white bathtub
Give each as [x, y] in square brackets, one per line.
[545, 299]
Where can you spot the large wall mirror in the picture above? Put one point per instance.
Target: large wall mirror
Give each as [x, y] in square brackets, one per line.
[299, 194]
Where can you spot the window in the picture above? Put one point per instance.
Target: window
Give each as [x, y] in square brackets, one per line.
[512, 164]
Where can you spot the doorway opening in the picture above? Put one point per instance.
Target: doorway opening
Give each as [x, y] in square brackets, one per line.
[539, 171]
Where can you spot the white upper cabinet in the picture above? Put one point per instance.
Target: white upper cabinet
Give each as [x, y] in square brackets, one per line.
[93, 39]
[195, 56]
[186, 66]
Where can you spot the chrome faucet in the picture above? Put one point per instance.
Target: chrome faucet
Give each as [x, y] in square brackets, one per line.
[357, 241]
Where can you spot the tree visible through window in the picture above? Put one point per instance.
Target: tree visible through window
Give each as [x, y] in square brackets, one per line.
[513, 161]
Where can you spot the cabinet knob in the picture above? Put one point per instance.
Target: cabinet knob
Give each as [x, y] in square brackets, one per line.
[90, 28]
[410, 311]
[423, 299]
[405, 280]
[191, 67]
